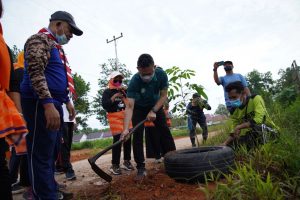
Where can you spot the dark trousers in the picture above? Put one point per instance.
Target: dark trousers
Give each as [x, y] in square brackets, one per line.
[5, 181]
[202, 122]
[153, 144]
[19, 163]
[41, 147]
[167, 141]
[250, 140]
[63, 161]
[116, 151]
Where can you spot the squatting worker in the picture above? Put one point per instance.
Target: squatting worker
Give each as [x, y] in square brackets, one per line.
[147, 92]
[45, 87]
[249, 118]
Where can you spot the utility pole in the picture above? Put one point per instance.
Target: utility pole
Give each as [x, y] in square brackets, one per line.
[296, 75]
[115, 41]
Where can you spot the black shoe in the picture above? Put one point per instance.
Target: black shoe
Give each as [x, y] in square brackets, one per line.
[28, 194]
[70, 175]
[17, 189]
[193, 145]
[115, 169]
[127, 165]
[141, 174]
[58, 171]
[64, 195]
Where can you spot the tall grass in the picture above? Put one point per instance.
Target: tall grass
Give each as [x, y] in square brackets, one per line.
[271, 171]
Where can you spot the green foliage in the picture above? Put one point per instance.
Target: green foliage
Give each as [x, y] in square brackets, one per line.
[106, 69]
[81, 104]
[15, 51]
[221, 110]
[262, 84]
[180, 88]
[103, 143]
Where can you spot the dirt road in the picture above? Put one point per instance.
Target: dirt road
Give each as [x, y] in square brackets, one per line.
[87, 179]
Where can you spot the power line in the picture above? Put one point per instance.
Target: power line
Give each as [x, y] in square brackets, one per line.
[115, 41]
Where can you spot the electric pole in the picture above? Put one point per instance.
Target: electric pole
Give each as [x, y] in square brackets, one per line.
[115, 41]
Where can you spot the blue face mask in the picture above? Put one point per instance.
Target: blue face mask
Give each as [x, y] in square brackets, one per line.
[62, 39]
[236, 103]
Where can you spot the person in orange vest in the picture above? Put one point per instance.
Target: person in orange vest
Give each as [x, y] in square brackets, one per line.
[18, 160]
[12, 125]
[114, 102]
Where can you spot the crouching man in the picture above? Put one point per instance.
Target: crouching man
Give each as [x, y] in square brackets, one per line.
[251, 121]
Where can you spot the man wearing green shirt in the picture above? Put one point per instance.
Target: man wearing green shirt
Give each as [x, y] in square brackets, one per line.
[249, 118]
[146, 93]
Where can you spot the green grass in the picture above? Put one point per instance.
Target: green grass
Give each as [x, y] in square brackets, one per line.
[103, 143]
[96, 144]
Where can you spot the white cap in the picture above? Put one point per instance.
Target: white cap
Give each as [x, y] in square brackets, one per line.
[114, 74]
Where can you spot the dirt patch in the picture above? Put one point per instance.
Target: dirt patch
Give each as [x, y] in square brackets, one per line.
[82, 154]
[156, 186]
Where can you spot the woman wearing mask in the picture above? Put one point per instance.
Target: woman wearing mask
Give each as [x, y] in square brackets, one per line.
[114, 102]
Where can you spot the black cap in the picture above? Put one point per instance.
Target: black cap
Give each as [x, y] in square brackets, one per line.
[196, 95]
[67, 17]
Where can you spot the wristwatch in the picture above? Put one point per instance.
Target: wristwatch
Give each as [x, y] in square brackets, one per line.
[215, 69]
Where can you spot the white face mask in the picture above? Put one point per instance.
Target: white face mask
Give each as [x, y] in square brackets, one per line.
[147, 78]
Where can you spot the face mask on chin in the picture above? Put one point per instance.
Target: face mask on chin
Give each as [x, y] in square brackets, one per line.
[62, 39]
[147, 78]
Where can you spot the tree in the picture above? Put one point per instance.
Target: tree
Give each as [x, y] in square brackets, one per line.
[221, 110]
[15, 51]
[81, 104]
[180, 88]
[287, 85]
[106, 69]
[262, 84]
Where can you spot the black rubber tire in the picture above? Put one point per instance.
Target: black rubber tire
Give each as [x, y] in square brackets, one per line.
[194, 164]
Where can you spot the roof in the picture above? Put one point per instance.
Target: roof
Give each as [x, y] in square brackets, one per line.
[77, 137]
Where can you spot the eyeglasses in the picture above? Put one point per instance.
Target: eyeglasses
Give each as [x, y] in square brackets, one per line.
[120, 81]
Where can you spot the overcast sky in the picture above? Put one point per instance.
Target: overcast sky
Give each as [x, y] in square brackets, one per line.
[254, 34]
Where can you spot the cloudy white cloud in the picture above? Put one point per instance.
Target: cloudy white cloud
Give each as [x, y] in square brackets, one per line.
[254, 34]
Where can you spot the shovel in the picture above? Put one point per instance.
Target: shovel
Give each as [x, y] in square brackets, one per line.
[93, 159]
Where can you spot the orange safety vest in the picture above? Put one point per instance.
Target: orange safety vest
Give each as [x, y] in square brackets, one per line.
[11, 122]
[116, 122]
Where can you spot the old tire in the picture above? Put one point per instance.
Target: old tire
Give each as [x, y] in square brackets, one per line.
[197, 163]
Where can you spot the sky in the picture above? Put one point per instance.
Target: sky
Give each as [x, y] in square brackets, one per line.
[192, 34]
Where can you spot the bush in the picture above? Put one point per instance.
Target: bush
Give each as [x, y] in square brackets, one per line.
[103, 143]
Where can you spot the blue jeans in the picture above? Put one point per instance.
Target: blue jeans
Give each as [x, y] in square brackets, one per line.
[42, 149]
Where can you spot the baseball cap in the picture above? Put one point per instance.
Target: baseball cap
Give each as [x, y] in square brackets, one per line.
[67, 17]
[196, 95]
[115, 74]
